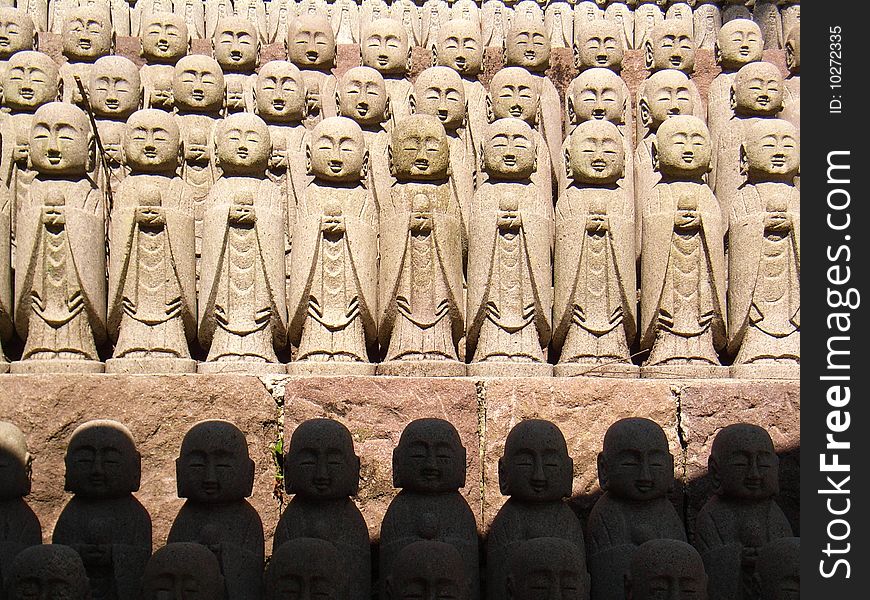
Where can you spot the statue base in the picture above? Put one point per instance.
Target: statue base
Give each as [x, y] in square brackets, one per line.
[58, 365]
[329, 368]
[150, 366]
[766, 371]
[614, 370]
[690, 371]
[241, 367]
[422, 368]
[506, 368]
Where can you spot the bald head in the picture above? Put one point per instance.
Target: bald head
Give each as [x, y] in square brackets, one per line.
[757, 90]
[670, 45]
[595, 153]
[182, 570]
[597, 94]
[426, 568]
[743, 463]
[419, 150]
[513, 92]
[527, 45]
[547, 563]
[385, 46]
[214, 465]
[115, 87]
[460, 47]
[778, 569]
[336, 150]
[535, 466]
[15, 462]
[670, 564]
[598, 44]
[306, 564]
[362, 96]
[739, 43]
[243, 144]
[665, 94]
[17, 30]
[102, 461]
[320, 462]
[439, 92]
[48, 571]
[429, 458]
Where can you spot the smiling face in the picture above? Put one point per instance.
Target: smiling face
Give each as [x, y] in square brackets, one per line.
[60, 140]
[597, 94]
[236, 45]
[17, 32]
[664, 95]
[165, 37]
[428, 569]
[419, 150]
[280, 92]
[243, 144]
[599, 44]
[636, 463]
[87, 34]
[385, 47]
[311, 42]
[336, 150]
[758, 90]
[14, 462]
[439, 92]
[683, 147]
[772, 151]
[30, 81]
[527, 45]
[115, 87]
[535, 466]
[509, 152]
[671, 45]
[667, 569]
[596, 153]
[151, 141]
[362, 96]
[429, 458]
[320, 462]
[198, 84]
[739, 43]
[514, 93]
[102, 461]
[547, 568]
[460, 47]
[214, 466]
[744, 463]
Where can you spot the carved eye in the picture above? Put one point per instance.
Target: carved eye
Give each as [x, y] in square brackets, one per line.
[16, 74]
[453, 96]
[269, 84]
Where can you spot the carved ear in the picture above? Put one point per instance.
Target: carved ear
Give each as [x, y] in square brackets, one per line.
[713, 471]
[576, 54]
[308, 159]
[648, 61]
[717, 53]
[92, 154]
[744, 161]
[654, 151]
[180, 153]
[388, 110]
[141, 48]
[434, 55]
[569, 108]
[645, 113]
[567, 160]
[410, 62]
[35, 43]
[503, 485]
[490, 114]
[338, 103]
[602, 471]
[112, 43]
[364, 171]
[412, 103]
[390, 163]
[732, 96]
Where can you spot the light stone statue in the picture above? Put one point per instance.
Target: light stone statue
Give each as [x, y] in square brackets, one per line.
[790, 12]
[152, 263]
[369, 12]
[682, 261]
[636, 472]
[598, 44]
[60, 274]
[467, 10]
[215, 474]
[183, 570]
[536, 472]
[57, 12]
[47, 571]
[559, 19]
[215, 10]
[38, 11]
[741, 517]
[431, 568]
[278, 16]
[121, 18]
[242, 302]
[312, 7]
[305, 565]
[253, 11]
[165, 39]
[385, 48]
[421, 314]
[19, 525]
[587, 11]
[792, 100]
[87, 35]
[345, 21]
[707, 18]
[647, 14]
[735, 9]
[766, 14]
[333, 291]
[764, 258]
[193, 13]
[529, 10]
[322, 506]
[546, 563]
[17, 33]
[621, 13]
[6, 310]
[103, 521]
[778, 569]
[311, 47]
[143, 11]
[434, 14]
[236, 48]
[495, 19]
[670, 567]
[594, 313]
[510, 242]
[407, 13]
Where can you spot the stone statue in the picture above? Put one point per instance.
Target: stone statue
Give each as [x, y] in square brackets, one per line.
[215, 10]
[322, 471]
[636, 472]
[278, 16]
[792, 100]
[103, 521]
[666, 567]
[61, 255]
[385, 48]
[682, 302]
[242, 302]
[165, 39]
[588, 11]
[152, 264]
[428, 569]
[215, 474]
[529, 10]
[598, 44]
[764, 258]
[345, 21]
[311, 47]
[647, 15]
[17, 33]
[407, 13]
[707, 17]
[741, 517]
[87, 35]
[236, 48]
[778, 569]
[253, 11]
[434, 14]
[621, 13]
[510, 242]
[422, 246]
[594, 312]
[19, 525]
[193, 13]
[143, 11]
[466, 10]
[559, 20]
[546, 563]
[6, 310]
[49, 571]
[536, 472]
[766, 14]
[312, 7]
[735, 9]
[333, 292]
[369, 12]
[790, 12]
[57, 12]
[495, 20]
[680, 9]
[305, 565]
[183, 570]
[37, 10]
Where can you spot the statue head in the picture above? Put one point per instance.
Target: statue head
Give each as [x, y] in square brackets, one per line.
[243, 144]
[793, 50]
[385, 47]
[527, 45]
[757, 90]
[664, 95]
[682, 149]
[739, 43]
[303, 565]
[598, 44]
[31, 80]
[509, 151]
[17, 32]
[513, 92]
[280, 92]
[670, 45]
[235, 44]
[214, 466]
[320, 462]
[636, 463]
[48, 571]
[335, 151]
[15, 463]
[430, 457]
[535, 466]
[361, 95]
[102, 461]
[198, 84]
[115, 87]
[439, 92]
[743, 464]
[419, 150]
[771, 151]
[460, 47]
[182, 571]
[428, 569]
[87, 34]
[61, 140]
[165, 38]
[666, 569]
[152, 141]
[310, 42]
[595, 153]
[597, 94]
[547, 567]
[778, 569]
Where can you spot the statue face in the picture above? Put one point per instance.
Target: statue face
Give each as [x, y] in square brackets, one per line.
[535, 466]
[165, 37]
[363, 96]
[182, 571]
[16, 32]
[598, 94]
[151, 141]
[514, 93]
[87, 34]
[385, 48]
[596, 153]
[460, 46]
[310, 570]
[510, 150]
[49, 571]
[773, 150]
[527, 45]
[102, 461]
[428, 569]
[778, 569]
[671, 46]
[60, 139]
[636, 461]
[30, 81]
[311, 42]
[198, 83]
[14, 462]
[666, 95]
[337, 150]
[747, 465]
[546, 568]
[280, 92]
[739, 43]
[667, 569]
[599, 46]
[758, 89]
[419, 149]
[683, 146]
[321, 463]
[115, 87]
[235, 44]
[243, 144]
[439, 92]
[429, 458]
[214, 465]
[793, 50]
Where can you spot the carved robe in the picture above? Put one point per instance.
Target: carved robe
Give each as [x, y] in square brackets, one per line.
[466, 10]
[407, 13]
[559, 19]
[372, 10]
[193, 13]
[215, 10]
[254, 11]
[707, 23]
[433, 15]
[586, 11]
[766, 14]
[57, 12]
[345, 21]
[620, 13]
[278, 15]
[681, 11]
[240, 92]
[549, 123]
[5, 273]
[647, 15]
[320, 91]
[67, 74]
[496, 19]
[791, 101]
[19, 529]
[38, 11]
[112, 139]
[399, 90]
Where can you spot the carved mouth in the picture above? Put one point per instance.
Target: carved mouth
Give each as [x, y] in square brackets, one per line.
[321, 485]
[763, 101]
[336, 166]
[598, 165]
[235, 56]
[460, 63]
[242, 153]
[362, 109]
[150, 152]
[112, 103]
[598, 113]
[777, 161]
[312, 55]
[431, 474]
[688, 157]
[673, 111]
[516, 111]
[538, 486]
[53, 157]
[530, 55]
[421, 164]
[26, 93]
[743, 52]
[210, 487]
[163, 45]
[278, 104]
[85, 44]
[509, 160]
[198, 95]
[643, 486]
[676, 61]
[4, 42]
[442, 115]
[383, 60]
[601, 59]
[752, 483]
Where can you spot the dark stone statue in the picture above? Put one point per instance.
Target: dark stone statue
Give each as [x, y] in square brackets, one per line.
[666, 569]
[779, 569]
[428, 569]
[49, 571]
[547, 567]
[306, 568]
[183, 571]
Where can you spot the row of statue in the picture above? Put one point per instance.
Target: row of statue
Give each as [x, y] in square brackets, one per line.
[635, 541]
[422, 19]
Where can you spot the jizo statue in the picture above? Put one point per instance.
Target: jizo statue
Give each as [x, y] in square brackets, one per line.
[588, 11]
[61, 258]
[407, 13]
[215, 474]
[598, 44]
[6, 310]
[87, 35]
[778, 569]
[215, 10]
[17, 33]
[345, 21]
[551, 565]
[428, 569]
[682, 304]
[434, 14]
[37, 10]
[385, 48]
[735, 9]
[143, 11]
[193, 12]
[19, 525]
[333, 291]
[647, 14]
[305, 566]
[165, 39]
[322, 470]
[707, 17]
[466, 10]
[620, 13]
[253, 11]
[103, 521]
[790, 12]
[278, 15]
[559, 19]
[152, 264]
[495, 20]
[594, 313]
[670, 567]
[766, 14]
[183, 570]
[311, 47]
[48, 571]
[792, 100]
[680, 9]
[236, 48]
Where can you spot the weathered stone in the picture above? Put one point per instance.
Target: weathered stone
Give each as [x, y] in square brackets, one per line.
[236, 48]
[180, 569]
[87, 35]
[431, 567]
[43, 570]
[315, 60]
[165, 39]
[778, 569]
[305, 564]
[671, 565]
[553, 562]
